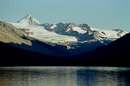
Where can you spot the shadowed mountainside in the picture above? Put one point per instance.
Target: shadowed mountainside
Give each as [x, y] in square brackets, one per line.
[13, 56]
[114, 54]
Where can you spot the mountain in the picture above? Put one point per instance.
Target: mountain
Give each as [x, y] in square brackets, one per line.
[28, 20]
[74, 38]
[18, 46]
[116, 53]
[17, 38]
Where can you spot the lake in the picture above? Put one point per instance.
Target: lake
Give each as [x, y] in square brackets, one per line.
[64, 76]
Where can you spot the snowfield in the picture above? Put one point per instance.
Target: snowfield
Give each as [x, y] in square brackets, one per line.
[41, 34]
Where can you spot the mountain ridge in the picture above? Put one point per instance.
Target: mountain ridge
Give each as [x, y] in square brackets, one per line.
[77, 38]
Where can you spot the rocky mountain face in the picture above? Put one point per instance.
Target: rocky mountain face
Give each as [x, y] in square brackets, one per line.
[83, 32]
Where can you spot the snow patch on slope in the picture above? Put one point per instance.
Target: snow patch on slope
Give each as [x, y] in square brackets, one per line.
[78, 29]
[53, 26]
[108, 33]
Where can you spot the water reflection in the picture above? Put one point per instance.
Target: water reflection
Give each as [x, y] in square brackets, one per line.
[100, 78]
[64, 76]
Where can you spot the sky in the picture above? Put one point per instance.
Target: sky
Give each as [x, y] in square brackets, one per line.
[104, 14]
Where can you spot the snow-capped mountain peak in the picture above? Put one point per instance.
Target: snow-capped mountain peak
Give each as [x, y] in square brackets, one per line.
[76, 38]
[28, 20]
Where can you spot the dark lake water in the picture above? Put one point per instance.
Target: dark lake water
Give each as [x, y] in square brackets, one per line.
[64, 76]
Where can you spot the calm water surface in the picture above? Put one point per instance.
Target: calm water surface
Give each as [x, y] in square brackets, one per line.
[64, 76]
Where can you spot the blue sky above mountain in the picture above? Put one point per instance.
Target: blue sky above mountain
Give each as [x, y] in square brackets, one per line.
[106, 14]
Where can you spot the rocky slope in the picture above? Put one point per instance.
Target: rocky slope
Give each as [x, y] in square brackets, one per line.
[10, 34]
